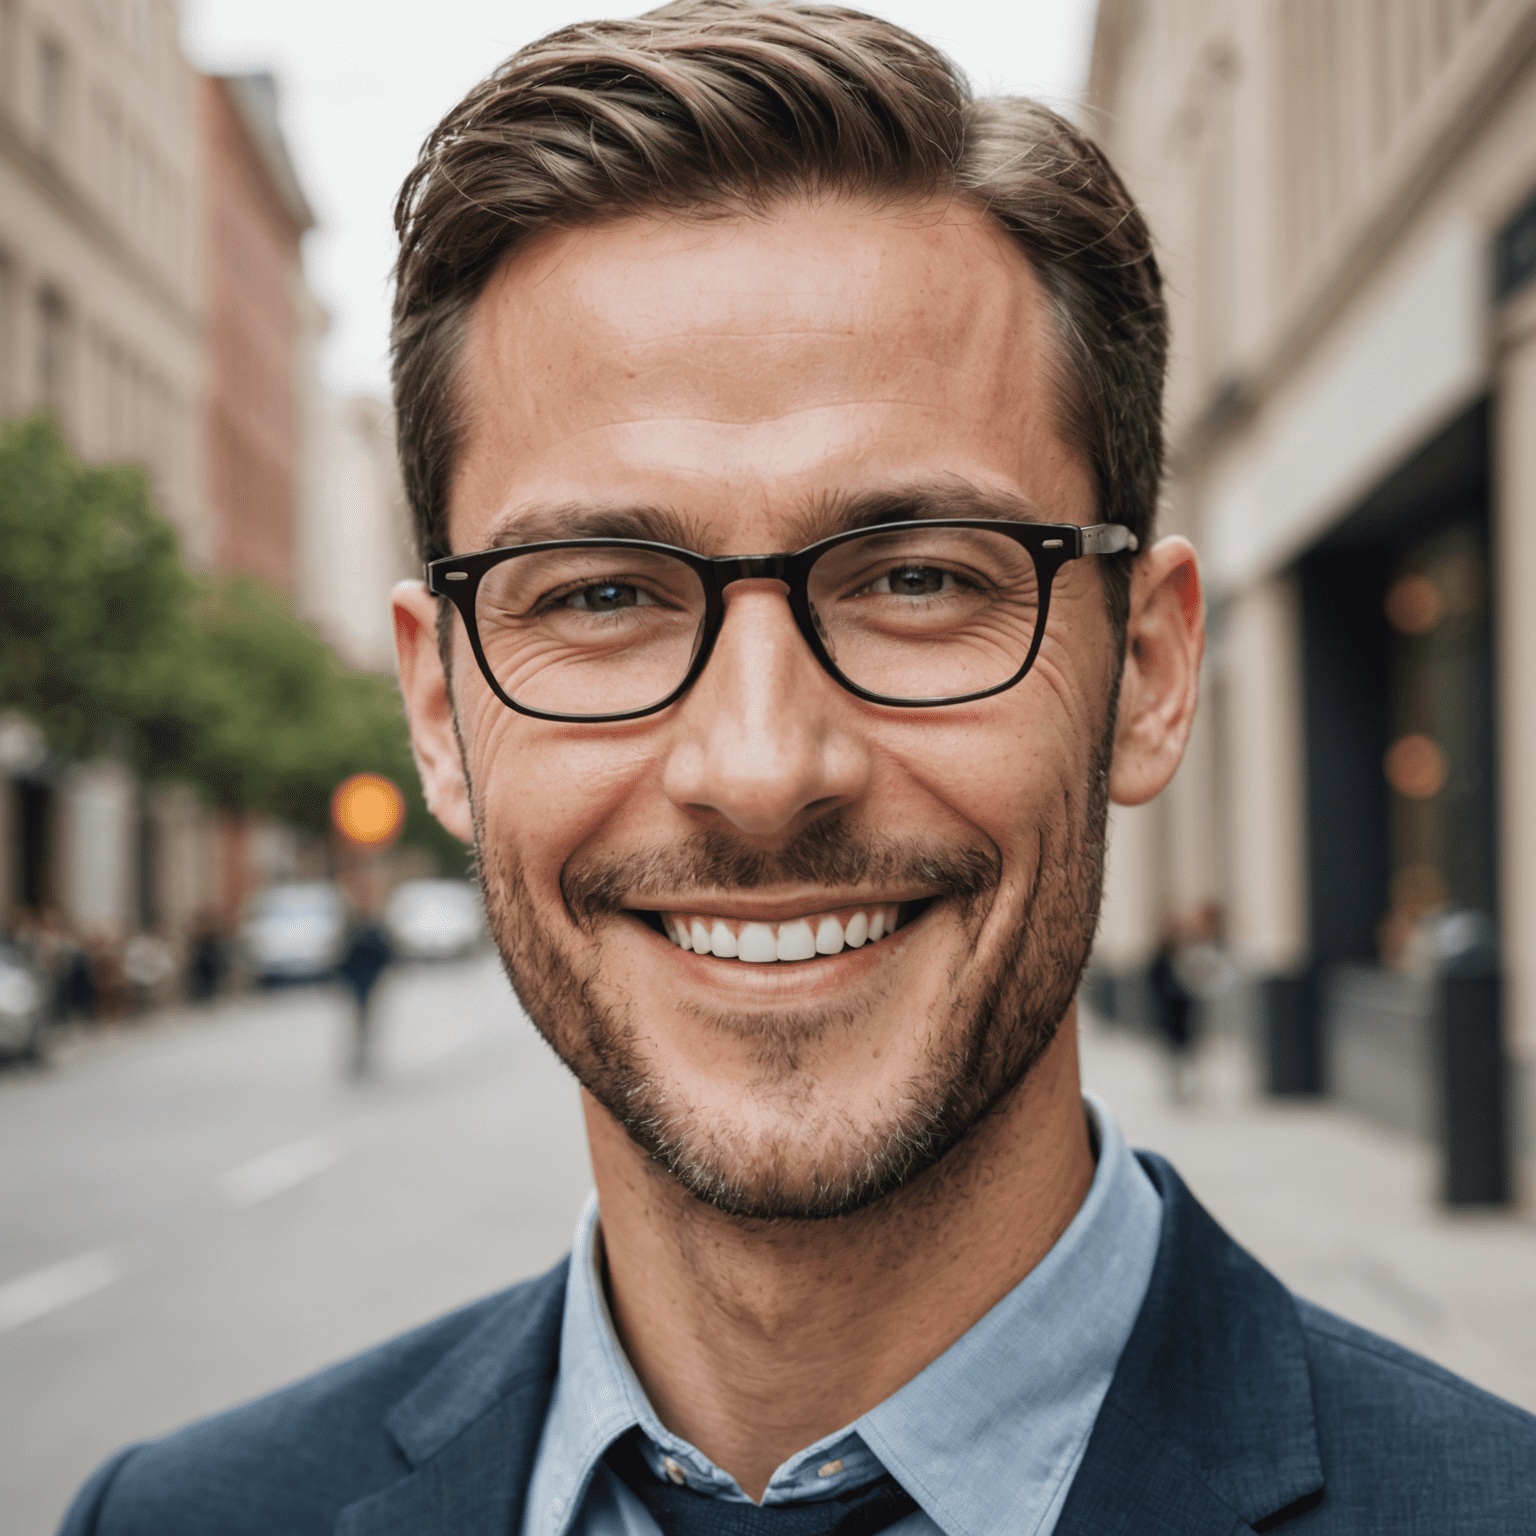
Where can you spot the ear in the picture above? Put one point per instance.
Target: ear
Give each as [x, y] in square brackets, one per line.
[1159, 687]
[429, 709]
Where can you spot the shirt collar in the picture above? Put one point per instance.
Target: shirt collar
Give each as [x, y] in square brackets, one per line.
[1020, 1390]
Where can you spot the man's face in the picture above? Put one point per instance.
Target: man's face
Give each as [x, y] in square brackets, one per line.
[732, 384]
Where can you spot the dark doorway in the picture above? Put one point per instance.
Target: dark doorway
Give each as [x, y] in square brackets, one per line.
[1398, 671]
[34, 817]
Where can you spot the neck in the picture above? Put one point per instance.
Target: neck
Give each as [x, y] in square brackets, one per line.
[753, 1340]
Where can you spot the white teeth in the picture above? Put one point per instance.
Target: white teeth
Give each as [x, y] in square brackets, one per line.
[802, 938]
[758, 943]
[796, 941]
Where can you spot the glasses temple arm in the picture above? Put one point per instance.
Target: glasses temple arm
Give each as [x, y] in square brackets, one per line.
[1109, 539]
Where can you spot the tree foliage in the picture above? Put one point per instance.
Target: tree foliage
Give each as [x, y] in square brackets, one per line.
[111, 645]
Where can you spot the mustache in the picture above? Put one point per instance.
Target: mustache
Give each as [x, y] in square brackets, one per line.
[832, 855]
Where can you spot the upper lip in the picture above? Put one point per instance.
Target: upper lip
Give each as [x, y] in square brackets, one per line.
[771, 909]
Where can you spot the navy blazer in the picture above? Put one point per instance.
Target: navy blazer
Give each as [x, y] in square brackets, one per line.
[1235, 1408]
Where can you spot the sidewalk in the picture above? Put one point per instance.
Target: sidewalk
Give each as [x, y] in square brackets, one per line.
[1340, 1210]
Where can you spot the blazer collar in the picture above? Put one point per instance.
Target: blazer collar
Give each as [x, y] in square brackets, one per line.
[1209, 1419]
[469, 1428]
[1208, 1424]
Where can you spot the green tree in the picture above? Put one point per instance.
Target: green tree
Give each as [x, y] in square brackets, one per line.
[110, 644]
[92, 588]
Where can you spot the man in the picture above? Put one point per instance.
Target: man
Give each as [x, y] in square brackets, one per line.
[784, 430]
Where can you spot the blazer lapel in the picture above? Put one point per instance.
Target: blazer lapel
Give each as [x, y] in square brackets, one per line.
[470, 1427]
[1208, 1425]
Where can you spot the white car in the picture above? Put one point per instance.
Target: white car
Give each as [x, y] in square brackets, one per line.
[295, 932]
[435, 919]
[23, 1005]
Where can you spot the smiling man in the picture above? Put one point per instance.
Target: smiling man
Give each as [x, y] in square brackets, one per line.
[783, 427]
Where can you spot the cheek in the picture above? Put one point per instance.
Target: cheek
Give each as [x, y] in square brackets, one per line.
[542, 794]
[1002, 767]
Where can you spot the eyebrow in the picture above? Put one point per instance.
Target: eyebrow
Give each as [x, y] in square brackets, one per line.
[546, 522]
[914, 501]
[833, 513]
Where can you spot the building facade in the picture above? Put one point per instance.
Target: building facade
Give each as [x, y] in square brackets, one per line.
[353, 554]
[152, 296]
[1344, 198]
[255, 308]
[100, 322]
[99, 273]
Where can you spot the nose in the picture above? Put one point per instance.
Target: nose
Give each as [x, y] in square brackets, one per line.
[767, 741]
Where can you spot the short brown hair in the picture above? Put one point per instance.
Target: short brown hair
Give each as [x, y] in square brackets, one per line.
[706, 105]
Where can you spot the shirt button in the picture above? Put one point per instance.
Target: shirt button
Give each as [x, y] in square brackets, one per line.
[674, 1471]
[831, 1469]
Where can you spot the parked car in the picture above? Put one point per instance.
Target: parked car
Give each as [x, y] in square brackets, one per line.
[435, 919]
[23, 1005]
[294, 932]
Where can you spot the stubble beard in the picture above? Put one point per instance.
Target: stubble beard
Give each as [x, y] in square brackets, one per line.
[1000, 1023]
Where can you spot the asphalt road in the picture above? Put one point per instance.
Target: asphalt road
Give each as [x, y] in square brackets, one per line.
[200, 1209]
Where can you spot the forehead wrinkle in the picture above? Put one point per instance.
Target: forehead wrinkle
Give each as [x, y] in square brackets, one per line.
[828, 513]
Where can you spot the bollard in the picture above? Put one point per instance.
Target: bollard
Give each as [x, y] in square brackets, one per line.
[1293, 1036]
[1474, 1127]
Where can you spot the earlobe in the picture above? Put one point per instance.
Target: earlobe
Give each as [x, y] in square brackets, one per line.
[1159, 688]
[429, 709]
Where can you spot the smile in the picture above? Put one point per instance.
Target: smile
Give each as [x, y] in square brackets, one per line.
[802, 938]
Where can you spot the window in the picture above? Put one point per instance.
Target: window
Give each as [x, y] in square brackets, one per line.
[10, 38]
[50, 93]
[52, 351]
[109, 152]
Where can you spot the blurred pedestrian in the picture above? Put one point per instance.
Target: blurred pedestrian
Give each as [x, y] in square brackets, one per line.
[1173, 1013]
[208, 959]
[74, 980]
[368, 953]
[109, 981]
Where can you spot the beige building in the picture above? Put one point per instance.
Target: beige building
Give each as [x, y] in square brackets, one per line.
[99, 287]
[152, 295]
[356, 542]
[1344, 197]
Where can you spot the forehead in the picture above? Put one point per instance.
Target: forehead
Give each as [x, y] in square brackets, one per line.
[743, 370]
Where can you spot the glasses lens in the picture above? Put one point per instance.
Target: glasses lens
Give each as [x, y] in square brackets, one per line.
[595, 630]
[927, 613]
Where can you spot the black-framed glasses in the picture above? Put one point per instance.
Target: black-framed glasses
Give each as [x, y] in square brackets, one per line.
[911, 614]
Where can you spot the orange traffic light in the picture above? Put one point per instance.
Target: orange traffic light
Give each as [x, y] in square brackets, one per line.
[368, 810]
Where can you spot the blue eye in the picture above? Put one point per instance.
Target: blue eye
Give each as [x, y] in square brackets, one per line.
[608, 597]
[913, 581]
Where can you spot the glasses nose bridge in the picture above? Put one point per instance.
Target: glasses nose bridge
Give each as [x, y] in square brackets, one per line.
[732, 568]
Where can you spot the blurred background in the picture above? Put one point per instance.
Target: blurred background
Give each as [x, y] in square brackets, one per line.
[265, 1096]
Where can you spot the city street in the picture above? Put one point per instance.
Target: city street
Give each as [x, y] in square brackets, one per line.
[201, 1207]
[207, 1208]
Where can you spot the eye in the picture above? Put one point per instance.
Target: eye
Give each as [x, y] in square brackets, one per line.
[608, 597]
[914, 581]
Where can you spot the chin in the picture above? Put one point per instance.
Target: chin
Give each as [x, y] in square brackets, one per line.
[814, 1084]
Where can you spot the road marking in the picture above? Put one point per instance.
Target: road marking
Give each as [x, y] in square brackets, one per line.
[270, 1174]
[47, 1290]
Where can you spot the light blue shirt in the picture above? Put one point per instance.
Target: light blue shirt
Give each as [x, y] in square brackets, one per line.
[987, 1438]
